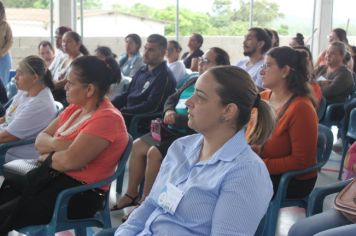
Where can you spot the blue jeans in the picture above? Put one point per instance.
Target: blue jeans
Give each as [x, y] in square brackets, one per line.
[328, 223]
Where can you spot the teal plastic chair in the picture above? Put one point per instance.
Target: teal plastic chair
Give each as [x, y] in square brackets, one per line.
[137, 119]
[324, 148]
[317, 196]
[327, 119]
[60, 221]
[187, 77]
[321, 108]
[349, 137]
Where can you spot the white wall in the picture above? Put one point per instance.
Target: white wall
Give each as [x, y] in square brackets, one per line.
[24, 46]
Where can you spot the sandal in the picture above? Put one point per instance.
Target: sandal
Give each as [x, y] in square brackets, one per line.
[125, 217]
[134, 202]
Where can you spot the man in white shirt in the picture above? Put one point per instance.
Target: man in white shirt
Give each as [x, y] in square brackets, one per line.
[255, 45]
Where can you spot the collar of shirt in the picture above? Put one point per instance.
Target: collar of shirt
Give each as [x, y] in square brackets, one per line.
[227, 153]
[155, 71]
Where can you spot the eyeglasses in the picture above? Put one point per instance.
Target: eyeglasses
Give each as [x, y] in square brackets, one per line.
[264, 66]
[203, 60]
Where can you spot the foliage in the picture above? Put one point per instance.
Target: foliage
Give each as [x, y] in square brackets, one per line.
[223, 20]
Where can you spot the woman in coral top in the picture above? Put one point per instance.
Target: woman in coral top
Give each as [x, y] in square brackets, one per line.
[293, 143]
[85, 141]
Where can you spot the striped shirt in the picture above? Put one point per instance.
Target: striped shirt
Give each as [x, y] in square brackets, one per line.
[225, 195]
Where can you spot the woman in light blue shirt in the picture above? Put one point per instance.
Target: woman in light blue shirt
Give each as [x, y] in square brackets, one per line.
[211, 183]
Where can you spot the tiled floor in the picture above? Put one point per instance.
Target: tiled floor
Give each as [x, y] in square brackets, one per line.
[288, 216]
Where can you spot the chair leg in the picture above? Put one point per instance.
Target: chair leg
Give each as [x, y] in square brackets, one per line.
[271, 221]
[119, 182]
[344, 151]
[80, 231]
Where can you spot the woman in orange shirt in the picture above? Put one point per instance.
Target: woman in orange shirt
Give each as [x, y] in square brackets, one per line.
[293, 144]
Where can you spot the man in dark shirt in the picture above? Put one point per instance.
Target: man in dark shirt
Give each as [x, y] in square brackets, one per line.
[152, 83]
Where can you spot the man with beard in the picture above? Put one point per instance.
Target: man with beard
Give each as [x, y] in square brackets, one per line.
[255, 45]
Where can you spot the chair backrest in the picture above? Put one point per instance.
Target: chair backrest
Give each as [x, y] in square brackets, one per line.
[187, 77]
[11, 89]
[325, 143]
[351, 129]
[321, 108]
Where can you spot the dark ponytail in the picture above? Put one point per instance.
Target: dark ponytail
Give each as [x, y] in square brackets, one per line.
[84, 50]
[115, 72]
[47, 79]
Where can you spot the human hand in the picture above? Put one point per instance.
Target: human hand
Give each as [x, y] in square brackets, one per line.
[43, 157]
[60, 144]
[169, 117]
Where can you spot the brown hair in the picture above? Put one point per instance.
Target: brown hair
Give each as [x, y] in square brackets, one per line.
[236, 86]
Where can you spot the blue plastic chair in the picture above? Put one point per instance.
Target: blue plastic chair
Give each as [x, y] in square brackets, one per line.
[321, 108]
[324, 148]
[135, 133]
[187, 77]
[12, 73]
[317, 196]
[60, 221]
[136, 119]
[11, 89]
[327, 119]
[349, 137]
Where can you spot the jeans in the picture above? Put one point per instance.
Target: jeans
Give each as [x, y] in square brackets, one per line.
[328, 223]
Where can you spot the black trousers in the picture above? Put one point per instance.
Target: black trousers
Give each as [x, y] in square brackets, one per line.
[297, 188]
[18, 210]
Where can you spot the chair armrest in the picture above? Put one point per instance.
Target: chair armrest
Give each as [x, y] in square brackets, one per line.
[137, 118]
[316, 197]
[286, 177]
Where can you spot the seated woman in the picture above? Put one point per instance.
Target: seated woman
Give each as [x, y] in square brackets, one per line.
[334, 78]
[297, 41]
[85, 142]
[73, 48]
[31, 110]
[147, 153]
[131, 61]
[190, 58]
[293, 143]
[175, 65]
[211, 183]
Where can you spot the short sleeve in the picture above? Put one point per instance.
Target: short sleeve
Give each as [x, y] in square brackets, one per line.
[107, 126]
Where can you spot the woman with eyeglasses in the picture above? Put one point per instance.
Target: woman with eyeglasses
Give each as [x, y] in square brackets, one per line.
[174, 64]
[81, 146]
[31, 110]
[147, 153]
[293, 143]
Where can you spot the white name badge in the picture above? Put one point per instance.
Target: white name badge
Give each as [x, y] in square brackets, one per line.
[170, 198]
[321, 78]
[181, 104]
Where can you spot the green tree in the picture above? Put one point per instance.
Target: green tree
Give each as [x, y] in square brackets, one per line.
[264, 12]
